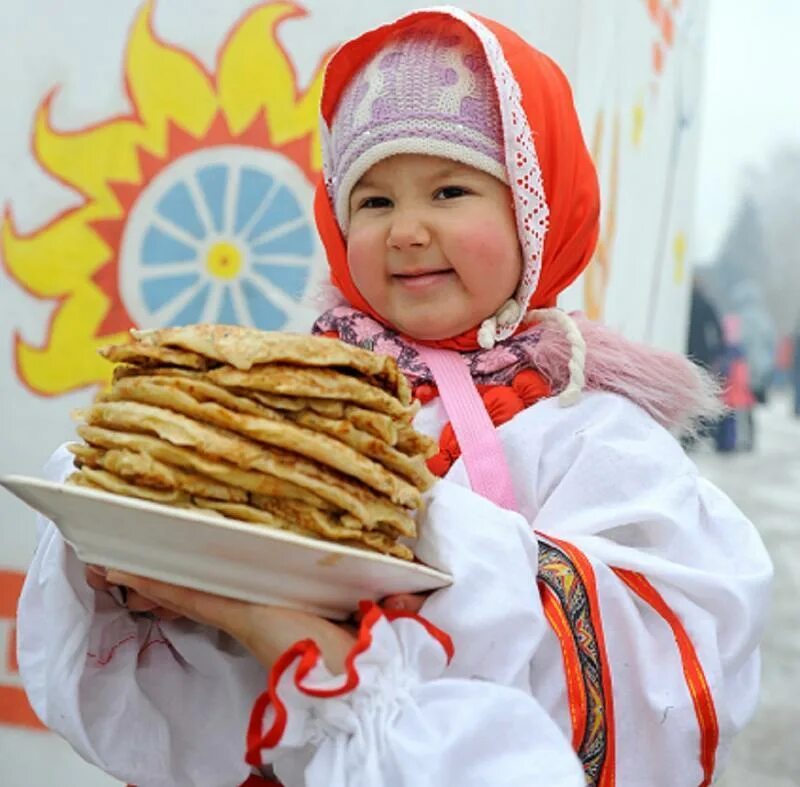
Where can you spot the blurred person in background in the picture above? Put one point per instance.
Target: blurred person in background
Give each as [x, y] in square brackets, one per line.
[784, 353]
[736, 430]
[706, 342]
[758, 338]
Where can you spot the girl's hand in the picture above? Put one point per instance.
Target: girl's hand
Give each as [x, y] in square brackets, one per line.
[408, 602]
[264, 630]
[97, 580]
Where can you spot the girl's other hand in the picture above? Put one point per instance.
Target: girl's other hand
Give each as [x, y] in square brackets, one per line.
[132, 601]
[399, 602]
[406, 602]
[267, 632]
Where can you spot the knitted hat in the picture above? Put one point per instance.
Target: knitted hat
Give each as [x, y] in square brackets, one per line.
[428, 90]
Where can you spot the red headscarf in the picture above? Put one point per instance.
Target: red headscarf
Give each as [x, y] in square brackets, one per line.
[568, 175]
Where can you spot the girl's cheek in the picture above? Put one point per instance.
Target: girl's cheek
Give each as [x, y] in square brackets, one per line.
[361, 256]
[483, 243]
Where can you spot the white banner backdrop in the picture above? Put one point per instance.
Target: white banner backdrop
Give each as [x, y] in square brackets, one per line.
[156, 166]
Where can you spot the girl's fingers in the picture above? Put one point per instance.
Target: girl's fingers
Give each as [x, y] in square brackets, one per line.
[162, 613]
[202, 607]
[138, 603]
[406, 602]
[403, 602]
[96, 578]
[264, 630]
[134, 602]
[144, 586]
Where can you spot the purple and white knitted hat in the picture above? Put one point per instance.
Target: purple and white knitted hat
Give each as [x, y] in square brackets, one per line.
[428, 90]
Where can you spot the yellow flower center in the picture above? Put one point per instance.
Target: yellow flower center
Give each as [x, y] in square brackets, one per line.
[224, 260]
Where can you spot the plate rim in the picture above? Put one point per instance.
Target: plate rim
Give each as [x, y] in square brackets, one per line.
[132, 503]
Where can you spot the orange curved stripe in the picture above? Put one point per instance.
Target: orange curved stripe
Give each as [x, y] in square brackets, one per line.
[576, 691]
[608, 776]
[696, 682]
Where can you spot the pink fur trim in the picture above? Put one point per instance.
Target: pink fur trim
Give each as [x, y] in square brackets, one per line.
[677, 393]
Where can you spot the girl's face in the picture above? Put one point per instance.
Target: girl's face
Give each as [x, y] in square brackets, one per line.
[432, 244]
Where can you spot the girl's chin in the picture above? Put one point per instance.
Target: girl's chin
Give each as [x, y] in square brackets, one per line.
[431, 321]
[428, 331]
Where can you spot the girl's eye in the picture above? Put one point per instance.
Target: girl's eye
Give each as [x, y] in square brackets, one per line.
[375, 202]
[449, 192]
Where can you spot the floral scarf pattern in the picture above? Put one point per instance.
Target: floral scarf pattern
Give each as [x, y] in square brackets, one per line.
[498, 366]
[504, 376]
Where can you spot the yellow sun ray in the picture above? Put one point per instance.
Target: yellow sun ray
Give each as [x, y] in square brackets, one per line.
[89, 159]
[176, 108]
[55, 260]
[56, 367]
[166, 85]
[255, 74]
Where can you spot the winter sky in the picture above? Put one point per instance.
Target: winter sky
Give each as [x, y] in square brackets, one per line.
[751, 103]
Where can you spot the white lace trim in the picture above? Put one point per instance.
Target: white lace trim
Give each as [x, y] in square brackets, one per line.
[522, 163]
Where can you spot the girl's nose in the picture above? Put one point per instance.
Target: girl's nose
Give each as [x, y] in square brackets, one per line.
[407, 230]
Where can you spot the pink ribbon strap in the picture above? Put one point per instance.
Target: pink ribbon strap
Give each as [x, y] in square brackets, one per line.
[481, 449]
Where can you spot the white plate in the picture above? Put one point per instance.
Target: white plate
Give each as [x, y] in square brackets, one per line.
[218, 555]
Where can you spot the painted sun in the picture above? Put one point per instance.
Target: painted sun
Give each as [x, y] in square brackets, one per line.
[195, 207]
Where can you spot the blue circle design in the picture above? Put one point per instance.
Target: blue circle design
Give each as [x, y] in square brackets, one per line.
[222, 202]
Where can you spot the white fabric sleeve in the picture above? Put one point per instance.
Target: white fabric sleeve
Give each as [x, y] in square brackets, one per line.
[614, 486]
[410, 709]
[153, 704]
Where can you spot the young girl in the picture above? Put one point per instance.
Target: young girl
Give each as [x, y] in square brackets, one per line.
[603, 623]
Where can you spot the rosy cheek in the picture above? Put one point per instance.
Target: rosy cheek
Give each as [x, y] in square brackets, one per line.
[366, 263]
[357, 255]
[483, 243]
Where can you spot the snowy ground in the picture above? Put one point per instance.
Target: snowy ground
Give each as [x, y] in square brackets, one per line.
[766, 486]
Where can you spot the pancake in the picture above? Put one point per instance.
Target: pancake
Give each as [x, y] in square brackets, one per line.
[275, 431]
[247, 454]
[243, 348]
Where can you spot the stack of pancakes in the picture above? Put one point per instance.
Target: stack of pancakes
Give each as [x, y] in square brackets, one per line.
[306, 434]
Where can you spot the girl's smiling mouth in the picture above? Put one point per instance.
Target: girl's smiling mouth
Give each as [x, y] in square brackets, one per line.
[421, 279]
